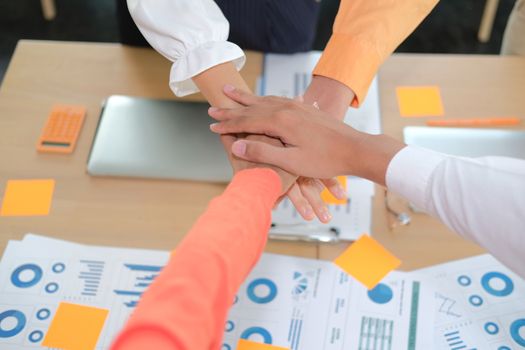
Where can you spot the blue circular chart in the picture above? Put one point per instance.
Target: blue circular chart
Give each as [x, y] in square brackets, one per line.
[51, 287]
[464, 280]
[267, 337]
[508, 285]
[475, 300]
[226, 347]
[19, 282]
[36, 336]
[504, 348]
[381, 294]
[262, 299]
[58, 268]
[20, 323]
[230, 326]
[515, 331]
[491, 328]
[43, 314]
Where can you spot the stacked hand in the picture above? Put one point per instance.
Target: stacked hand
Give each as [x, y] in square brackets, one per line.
[305, 192]
[315, 145]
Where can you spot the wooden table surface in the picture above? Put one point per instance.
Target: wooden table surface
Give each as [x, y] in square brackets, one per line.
[157, 213]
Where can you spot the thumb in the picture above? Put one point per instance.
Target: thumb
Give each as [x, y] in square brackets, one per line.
[260, 152]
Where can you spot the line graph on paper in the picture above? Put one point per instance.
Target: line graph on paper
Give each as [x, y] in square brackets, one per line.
[447, 306]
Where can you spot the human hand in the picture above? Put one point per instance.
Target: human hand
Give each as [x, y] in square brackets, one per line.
[316, 146]
[238, 164]
[304, 193]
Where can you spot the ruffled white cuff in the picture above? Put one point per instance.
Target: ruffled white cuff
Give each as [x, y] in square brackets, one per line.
[200, 59]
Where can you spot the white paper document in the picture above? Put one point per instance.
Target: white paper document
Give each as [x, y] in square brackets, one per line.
[480, 304]
[291, 302]
[349, 221]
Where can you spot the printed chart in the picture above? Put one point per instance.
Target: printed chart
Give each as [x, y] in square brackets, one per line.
[480, 304]
[301, 304]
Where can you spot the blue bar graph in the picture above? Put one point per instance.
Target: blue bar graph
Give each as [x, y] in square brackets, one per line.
[134, 267]
[91, 272]
[455, 341]
[143, 275]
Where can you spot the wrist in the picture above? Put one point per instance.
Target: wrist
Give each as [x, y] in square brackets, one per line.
[370, 155]
[331, 96]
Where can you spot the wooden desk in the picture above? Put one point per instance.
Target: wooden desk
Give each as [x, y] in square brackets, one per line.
[105, 211]
[472, 86]
[157, 214]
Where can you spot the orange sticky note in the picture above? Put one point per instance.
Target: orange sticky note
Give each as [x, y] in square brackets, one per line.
[250, 345]
[75, 327]
[367, 261]
[419, 101]
[27, 197]
[329, 198]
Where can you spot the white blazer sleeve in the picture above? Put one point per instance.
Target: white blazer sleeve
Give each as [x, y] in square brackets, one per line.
[482, 199]
[191, 33]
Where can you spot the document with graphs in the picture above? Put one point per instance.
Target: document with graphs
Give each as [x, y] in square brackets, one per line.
[480, 304]
[291, 302]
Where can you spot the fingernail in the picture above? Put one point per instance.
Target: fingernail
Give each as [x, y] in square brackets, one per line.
[308, 212]
[340, 192]
[325, 215]
[212, 109]
[239, 148]
[229, 88]
[213, 126]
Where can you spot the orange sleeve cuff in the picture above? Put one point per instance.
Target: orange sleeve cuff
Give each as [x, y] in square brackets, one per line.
[351, 62]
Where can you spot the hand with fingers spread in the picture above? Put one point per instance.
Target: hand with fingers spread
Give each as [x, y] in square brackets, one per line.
[315, 146]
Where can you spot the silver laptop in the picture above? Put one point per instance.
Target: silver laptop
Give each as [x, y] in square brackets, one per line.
[468, 142]
[164, 139]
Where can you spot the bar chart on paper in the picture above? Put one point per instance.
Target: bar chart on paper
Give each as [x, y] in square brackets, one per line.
[136, 278]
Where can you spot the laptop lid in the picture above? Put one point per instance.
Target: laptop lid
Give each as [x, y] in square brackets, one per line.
[163, 139]
[468, 142]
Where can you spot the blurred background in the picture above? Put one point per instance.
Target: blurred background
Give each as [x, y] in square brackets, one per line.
[453, 26]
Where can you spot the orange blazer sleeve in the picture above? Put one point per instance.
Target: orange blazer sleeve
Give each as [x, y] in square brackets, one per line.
[365, 33]
[186, 307]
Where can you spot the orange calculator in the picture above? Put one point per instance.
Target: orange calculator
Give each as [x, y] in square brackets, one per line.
[62, 129]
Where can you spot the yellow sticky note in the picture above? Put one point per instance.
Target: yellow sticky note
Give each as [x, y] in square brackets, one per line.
[367, 261]
[27, 197]
[329, 198]
[250, 345]
[75, 327]
[419, 101]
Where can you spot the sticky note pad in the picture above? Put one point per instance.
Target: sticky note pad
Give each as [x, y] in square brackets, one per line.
[367, 261]
[419, 101]
[27, 197]
[250, 345]
[329, 198]
[75, 327]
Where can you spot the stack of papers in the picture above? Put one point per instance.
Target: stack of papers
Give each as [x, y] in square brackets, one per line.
[286, 301]
[289, 76]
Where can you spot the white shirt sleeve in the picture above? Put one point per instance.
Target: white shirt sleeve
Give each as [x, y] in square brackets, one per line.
[191, 33]
[482, 199]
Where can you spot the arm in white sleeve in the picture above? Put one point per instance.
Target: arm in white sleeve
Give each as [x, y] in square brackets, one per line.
[191, 33]
[482, 199]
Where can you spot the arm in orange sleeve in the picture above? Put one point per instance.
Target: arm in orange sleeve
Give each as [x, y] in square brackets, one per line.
[365, 33]
[187, 305]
